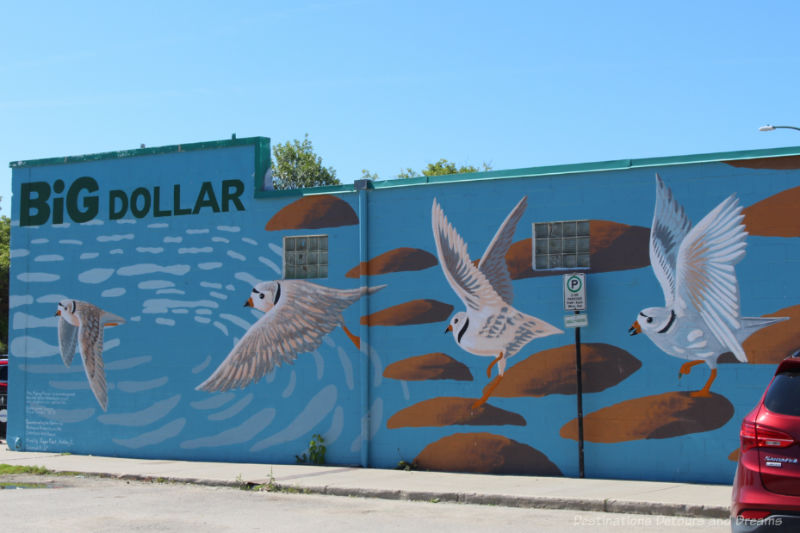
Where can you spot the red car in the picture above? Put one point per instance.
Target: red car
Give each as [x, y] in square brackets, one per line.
[766, 489]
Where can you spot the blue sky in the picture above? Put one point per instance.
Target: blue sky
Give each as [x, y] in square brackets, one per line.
[383, 85]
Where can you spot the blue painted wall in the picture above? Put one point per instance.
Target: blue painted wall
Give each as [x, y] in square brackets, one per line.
[180, 282]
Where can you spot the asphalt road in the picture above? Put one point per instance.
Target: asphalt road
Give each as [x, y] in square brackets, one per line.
[69, 504]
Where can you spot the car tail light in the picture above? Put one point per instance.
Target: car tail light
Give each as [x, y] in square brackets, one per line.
[750, 514]
[754, 436]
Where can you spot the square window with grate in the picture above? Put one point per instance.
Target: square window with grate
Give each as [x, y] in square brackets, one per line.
[305, 257]
[561, 245]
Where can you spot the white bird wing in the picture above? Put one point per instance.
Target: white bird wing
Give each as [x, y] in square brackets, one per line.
[90, 337]
[468, 282]
[493, 263]
[706, 279]
[67, 340]
[304, 314]
[670, 227]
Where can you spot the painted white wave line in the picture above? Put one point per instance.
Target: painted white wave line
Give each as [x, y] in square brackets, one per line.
[212, 402]
[203, 250]
[16, 254]
[315, 411]
[116, 237]
[136, 319]
[152, 268]
[406, 392]
[203, 311]
[95, 275]
[202, 366]
[347, 366]
[93, 222]
[151, 438]
[375, 417]
[248, 240]
[48, 258]
[220, 326]
[337, 426]
[275, 268]
[149, 249]
[31, 347]
[141, 386]
[163, 305]
[236, 255]
[143, 417]
[209, 266]
[50, 298]
[210, 285]
[245, 325]
[244, 432]
[37, 277]
[277, 250]
[127, 364]
[320, 362]
[377, 366]
[74, 242]
[40, 241]
[173, 240]
[230, 287]
[229, 229]
[165, 321]
[171, 291]
[90, 255]
[248, 278]
[180, 311]
[155, 284]
[287, 392]
[233, 410]
[158, 225]
[126, 221]
[22, 320]
[220, 239]
[15, 300]
[113, 293]
[202, 320]
[218, 295]
[117, 251]
[198, 231]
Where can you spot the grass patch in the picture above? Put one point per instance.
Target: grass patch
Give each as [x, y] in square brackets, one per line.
[22, 469]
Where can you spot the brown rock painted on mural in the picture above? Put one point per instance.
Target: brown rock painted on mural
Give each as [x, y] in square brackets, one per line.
[410, 313]
[771, 345]
[613, 246]
[662, 416]
[791, 162]
[775, 216]
[485, 453]
[553, 371]
[427, 367]
[398, 260]
[447, 411]
[313, 212]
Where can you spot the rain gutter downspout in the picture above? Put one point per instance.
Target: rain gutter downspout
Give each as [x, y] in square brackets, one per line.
[362, 186]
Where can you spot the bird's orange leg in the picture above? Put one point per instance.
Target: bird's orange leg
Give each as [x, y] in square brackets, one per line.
[352, 337]
[687, 367]
[487, 391]
[704, 392]
[494, 362]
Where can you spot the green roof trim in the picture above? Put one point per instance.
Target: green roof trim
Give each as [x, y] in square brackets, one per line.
[261, 143]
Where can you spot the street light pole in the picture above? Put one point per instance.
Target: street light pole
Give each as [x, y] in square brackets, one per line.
[770, 127]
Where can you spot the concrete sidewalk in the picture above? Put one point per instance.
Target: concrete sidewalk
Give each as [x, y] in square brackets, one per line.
[641, 497]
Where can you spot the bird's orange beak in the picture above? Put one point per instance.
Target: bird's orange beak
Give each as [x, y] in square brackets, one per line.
[249, 303]
[635, 329]
[58, 313]
[449, 328]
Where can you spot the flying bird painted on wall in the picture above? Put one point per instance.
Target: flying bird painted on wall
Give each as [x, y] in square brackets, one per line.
[82, 323]
[490, 326]
[297, 315]
[695, 268]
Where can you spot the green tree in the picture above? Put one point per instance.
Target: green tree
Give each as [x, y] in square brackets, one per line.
[5, 238]
[442, 167]
[296, 166]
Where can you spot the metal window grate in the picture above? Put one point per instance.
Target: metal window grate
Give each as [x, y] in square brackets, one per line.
[305, 257]
[561, 245]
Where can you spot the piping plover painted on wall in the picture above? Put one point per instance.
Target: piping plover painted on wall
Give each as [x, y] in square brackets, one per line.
[695, 267]
[297, 315]
[82, 323]
[490, 326]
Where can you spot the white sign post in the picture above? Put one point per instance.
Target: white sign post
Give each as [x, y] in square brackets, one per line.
[575, 292]
[575, 301]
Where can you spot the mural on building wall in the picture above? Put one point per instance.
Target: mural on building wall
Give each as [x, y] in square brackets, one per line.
[297, 315]
[695, 267]
[490, 326]
[81, 324]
